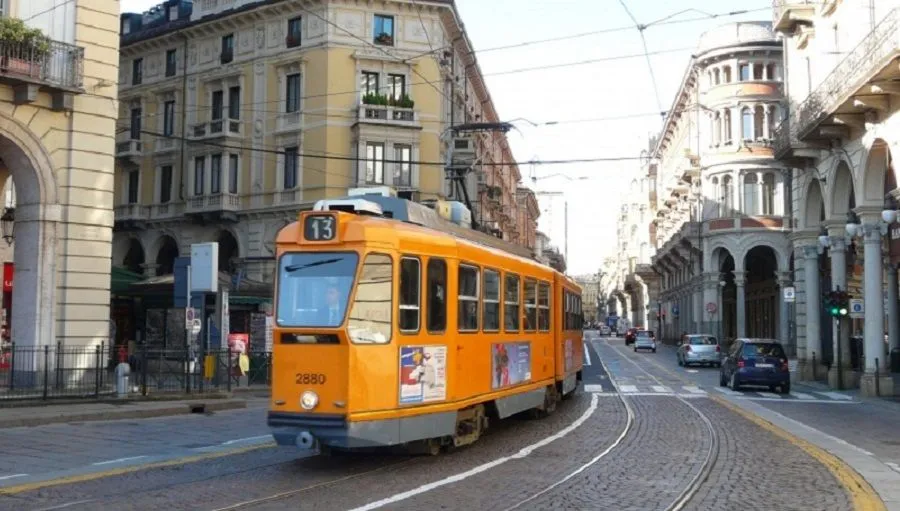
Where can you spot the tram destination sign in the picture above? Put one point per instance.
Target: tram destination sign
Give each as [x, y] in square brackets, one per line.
[319, 227]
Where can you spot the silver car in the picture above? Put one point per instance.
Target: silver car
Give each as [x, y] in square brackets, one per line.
[645, 340]
[699, 349]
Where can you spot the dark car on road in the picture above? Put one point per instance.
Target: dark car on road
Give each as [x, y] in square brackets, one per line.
[629, 335]
[757, 362]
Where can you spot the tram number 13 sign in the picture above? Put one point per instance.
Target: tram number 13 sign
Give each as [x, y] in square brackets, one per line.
[319, 228]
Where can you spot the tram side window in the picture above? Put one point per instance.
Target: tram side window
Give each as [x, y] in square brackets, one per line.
[410, 286]
[579, 316]
[491, 304]
[437, 295]
[543, 307]
[468, 299]
[566, 306]
[370, 317]
[512, 318]
[530, 305]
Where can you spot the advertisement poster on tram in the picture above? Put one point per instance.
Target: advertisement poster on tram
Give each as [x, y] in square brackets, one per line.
[511, 363]
[569, 356]
[423, 374]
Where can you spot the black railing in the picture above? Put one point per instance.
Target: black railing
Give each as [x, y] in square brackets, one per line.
[56, 64]
[64, 372]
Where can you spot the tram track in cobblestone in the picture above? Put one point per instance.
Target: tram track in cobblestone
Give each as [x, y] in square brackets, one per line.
[712, 453]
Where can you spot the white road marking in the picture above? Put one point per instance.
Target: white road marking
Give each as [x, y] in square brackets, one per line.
[836, 395]
[692, 370]
[593, 388]
[803, 401]
[248, 439]
[661, 388]
[894, 466]
[67, 504]
[627, 388]
[14, 476]
[728, 392]
[587, 356]
[525, 451]
[770, 395]
[801, 395]
[693, 390]
[119, 460]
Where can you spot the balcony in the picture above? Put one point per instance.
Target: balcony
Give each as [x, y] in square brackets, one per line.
[43, 64]
[165, 145]
[216, 128]
[787, 14]
[167, 210]
[788, 148]
[128, 149]
[130, 216]
[387, 115]
[214, 204]
[858, 88]
[288, 121]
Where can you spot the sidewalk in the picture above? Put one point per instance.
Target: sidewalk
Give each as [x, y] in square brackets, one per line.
[50, 413]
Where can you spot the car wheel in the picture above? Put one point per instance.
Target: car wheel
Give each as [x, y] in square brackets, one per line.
[735, 386]
[786, 389]
[654, 350]
[680, 363]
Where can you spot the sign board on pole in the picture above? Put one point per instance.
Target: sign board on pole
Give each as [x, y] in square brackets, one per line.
[790, 294]
[196, 326]
[857, 308]
[205, 267]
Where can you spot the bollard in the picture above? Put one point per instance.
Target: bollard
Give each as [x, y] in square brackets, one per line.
[123, 371]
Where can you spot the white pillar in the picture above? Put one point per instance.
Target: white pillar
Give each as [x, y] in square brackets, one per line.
[741, 318]
[784, 281]
[874, 301]
[813, 306]
[838, 253]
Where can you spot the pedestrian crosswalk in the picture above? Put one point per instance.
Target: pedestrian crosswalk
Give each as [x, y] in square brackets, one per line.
[693, 391]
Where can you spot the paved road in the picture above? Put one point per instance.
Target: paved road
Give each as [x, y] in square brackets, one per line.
[602, 449]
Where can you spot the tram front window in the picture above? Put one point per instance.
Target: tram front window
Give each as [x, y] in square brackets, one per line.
[314, 288]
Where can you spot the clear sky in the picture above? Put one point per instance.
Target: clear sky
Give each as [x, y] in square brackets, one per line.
[612, 86]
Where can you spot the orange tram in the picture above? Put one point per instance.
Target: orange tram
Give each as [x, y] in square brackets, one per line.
[394, 327]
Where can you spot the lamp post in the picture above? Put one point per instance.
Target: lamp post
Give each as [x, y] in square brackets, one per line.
[7, 225]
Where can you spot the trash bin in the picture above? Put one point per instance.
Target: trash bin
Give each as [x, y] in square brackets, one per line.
[895, 360]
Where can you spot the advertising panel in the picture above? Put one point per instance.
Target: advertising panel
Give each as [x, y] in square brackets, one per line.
[511, 363]
[569, 356]
[423, 374]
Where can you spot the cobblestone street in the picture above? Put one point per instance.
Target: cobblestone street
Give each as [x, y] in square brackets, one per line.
[601, 450]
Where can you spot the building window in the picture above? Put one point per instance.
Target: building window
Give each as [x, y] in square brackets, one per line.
[217, 106]
[744, 70]
[491, 303]
[410, 284]
[215, 174]
[137, 71]
[402, 169]
[234, 102]
[291, 163]
[770, 72]
[746, 124]
[384, 30]
[165, 184]
[199, 168]
[134, 179]
[530, 305]
[227, 49]
[751, 188]
[171, 63]
[512, 317]
[169, 118]
[543, 307]
[233, 168]
[368, 84]
[768, 194]
[292, 93]
[758, 70]
[437, 296]
[468, 298]
[136, 114]
[374, 163]
[397, 86]
[717, 78]
[759, 122]
[726, 121]
[773, 119]
[293, 32]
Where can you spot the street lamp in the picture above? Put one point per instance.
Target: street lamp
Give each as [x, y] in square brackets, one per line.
[7, 225]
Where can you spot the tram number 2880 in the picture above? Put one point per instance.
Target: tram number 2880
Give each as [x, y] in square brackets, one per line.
[310, 379]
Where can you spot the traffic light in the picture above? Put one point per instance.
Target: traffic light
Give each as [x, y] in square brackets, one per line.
[837, 303]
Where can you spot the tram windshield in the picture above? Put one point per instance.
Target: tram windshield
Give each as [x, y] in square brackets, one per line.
[314, 288]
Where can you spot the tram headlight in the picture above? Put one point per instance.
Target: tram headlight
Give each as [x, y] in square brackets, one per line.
[309, 400]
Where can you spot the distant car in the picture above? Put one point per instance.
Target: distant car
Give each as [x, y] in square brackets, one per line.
[757, 362]
[699, 349]
[645, 340]
[629, 336]
[604, 330]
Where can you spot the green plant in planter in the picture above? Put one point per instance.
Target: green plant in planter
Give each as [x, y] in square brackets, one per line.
[406, 102]
[31, 41]
[375, 99]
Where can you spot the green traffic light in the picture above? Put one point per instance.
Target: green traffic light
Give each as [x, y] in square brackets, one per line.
[834, 311]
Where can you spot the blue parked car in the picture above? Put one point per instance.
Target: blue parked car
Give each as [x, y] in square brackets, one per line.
[758, 362]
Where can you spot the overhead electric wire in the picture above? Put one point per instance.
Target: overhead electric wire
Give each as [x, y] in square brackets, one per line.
[640, 28]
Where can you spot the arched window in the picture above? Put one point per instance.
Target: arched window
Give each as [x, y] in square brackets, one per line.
[747, 124]
[727, 196]
[773, 120]
[716, 76]
[727, 121]
[758, 70]
[759, 121]
[727, 74]
[768, 194]
[751, 187]
[744, 70]
[770, 72]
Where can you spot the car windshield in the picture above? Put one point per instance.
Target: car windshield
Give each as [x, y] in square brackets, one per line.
[702, 340]
[314, 288]
[645, 333]
[762, 350]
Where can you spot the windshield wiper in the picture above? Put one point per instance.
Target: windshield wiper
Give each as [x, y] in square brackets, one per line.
[298, 267]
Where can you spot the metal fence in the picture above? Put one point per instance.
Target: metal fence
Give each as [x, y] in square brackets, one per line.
[66, 372]
[55, 63]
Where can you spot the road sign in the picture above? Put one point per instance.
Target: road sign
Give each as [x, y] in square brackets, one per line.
[711, 307]
[857, 308]
[189, 314]
[196, 326]
[790, 295]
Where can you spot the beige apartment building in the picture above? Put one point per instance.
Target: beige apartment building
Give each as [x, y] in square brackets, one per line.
[58, 110]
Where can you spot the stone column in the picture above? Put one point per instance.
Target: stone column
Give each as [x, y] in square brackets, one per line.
[813, 315]
[150, 269]
[893, 311]
[838, 253]
[741, 319]
[784, 316]
[874, 320]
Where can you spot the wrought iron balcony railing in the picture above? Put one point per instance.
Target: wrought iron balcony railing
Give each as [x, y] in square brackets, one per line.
[872, 54]
[58, 65]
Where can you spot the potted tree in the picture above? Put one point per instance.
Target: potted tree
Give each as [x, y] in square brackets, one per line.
[23, 50]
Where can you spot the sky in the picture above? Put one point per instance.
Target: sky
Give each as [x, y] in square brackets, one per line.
[618, 83]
